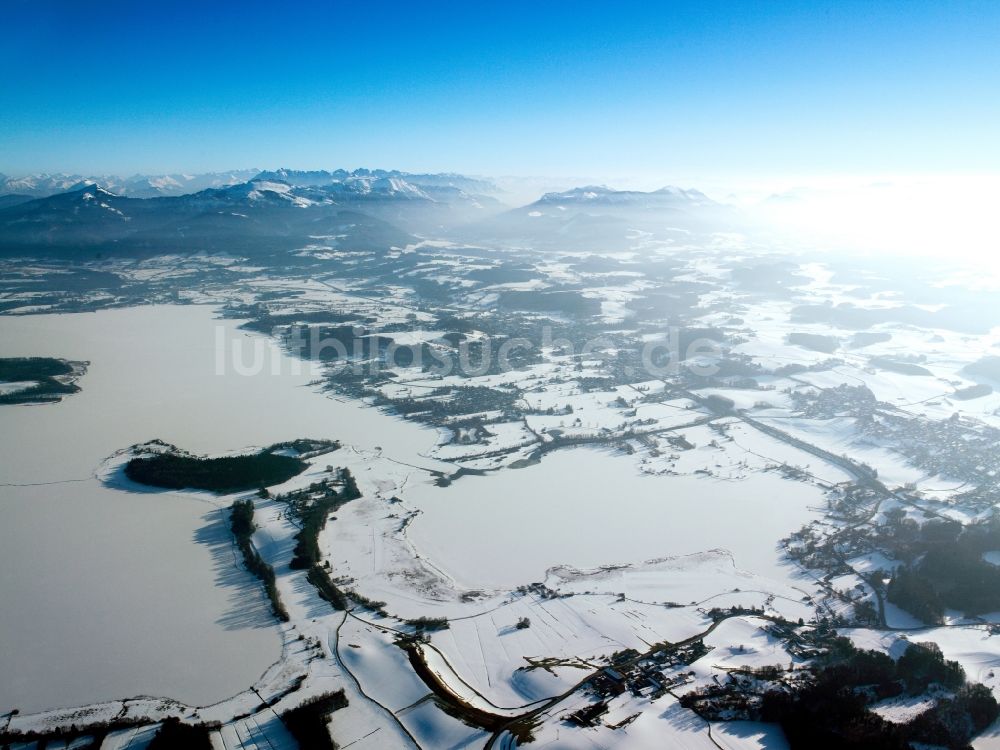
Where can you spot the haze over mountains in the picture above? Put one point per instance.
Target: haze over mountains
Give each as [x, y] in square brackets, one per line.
[271, 213]
[138, 186]
[43, 185]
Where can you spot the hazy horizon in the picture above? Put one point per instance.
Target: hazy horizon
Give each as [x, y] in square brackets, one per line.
[924, 215]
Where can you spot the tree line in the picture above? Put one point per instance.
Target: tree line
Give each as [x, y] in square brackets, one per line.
[242, 525]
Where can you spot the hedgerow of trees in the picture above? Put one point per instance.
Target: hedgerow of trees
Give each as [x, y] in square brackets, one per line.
[242, 525]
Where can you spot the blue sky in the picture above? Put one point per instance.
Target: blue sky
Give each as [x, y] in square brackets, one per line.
[699, 89]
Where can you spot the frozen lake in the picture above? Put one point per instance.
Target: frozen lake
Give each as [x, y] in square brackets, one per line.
[587, 507]
[109, 594]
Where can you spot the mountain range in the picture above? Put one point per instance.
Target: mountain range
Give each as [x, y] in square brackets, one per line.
[43, 185]
[138, 186]
[598, 218]
[277, 211]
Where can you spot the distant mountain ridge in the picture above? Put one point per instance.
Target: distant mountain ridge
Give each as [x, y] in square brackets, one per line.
[669, 196]
[600, 218]
[138, 186]
[316, 178]
[43, 185]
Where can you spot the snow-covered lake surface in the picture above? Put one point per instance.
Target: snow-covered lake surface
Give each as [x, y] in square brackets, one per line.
[589, 507]
[110, 594]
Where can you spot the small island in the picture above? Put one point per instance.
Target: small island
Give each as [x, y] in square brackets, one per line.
[38, 380]
[167, 466]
